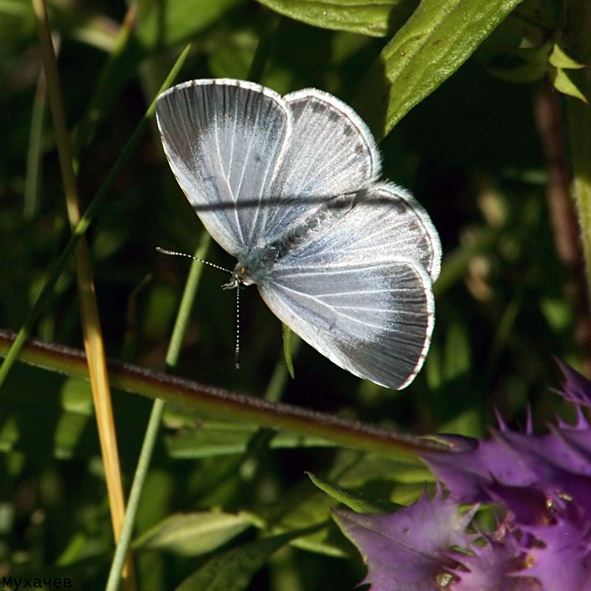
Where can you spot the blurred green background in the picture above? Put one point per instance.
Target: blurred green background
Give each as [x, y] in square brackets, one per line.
[470, 152]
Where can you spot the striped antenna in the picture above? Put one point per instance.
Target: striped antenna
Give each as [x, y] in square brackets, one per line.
[237, 338]
[175, 253]
[233, 283]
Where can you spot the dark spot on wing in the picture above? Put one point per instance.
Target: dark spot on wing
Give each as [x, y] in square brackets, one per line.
[400, 206]
[317, 106]
[333, 115]
[297, 108]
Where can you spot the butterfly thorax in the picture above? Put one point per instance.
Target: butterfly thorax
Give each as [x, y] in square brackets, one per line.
[255, 265]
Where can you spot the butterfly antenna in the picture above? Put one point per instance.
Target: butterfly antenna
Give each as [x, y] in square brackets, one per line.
[237, 348]
[175, 253]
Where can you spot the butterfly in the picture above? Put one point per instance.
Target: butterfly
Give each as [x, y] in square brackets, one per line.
[290, 187]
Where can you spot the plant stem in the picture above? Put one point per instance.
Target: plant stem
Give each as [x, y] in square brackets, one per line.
[578, 14]
[89, 313]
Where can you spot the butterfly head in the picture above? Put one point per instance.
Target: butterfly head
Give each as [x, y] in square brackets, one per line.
[240, 278]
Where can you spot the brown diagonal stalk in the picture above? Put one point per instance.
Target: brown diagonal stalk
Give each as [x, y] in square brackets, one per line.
[233, 406]
[578, 38]
[93, 342]
[561, 206]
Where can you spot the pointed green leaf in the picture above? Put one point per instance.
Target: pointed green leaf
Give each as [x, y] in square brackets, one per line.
[287, 350]
[214, 438]
[302, 507]
[367, 17]
[192, 534]
[354, 500]
[564, 83]
[559, 59]
[437, 39]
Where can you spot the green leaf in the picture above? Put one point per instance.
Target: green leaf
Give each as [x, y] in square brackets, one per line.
[192, 534]
[534, 63]
[437, 39]
[214, 438]
[163, 24]
[522, 65]
[84, 24]
[354, 500]
[234, 569]
[302, 507]
[367, 17]
[287, 350]
[564, 83]
[559, 59]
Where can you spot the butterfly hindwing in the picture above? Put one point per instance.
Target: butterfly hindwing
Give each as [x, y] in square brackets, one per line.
[359, 287]
[373, 319]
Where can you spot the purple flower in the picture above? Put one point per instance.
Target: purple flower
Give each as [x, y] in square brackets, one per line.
[408, 549]
[543, 542]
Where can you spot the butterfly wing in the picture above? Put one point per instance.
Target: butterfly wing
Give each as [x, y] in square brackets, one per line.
[359, 287]
[223, 140]
[330, 152]
[252, 163]
[262, 172]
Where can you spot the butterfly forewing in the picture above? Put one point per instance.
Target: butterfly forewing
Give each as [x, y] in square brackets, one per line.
[223, 140]
[339, 156]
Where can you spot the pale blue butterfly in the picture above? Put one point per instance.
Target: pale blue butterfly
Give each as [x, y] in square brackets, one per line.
[289, 186]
